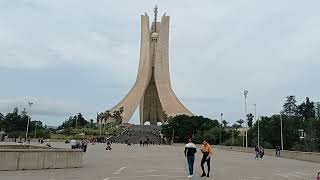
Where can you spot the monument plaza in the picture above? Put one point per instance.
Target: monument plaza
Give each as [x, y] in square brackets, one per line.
[154, 95]
[168, 163]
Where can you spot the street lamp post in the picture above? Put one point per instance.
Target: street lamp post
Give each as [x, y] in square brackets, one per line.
[281, 131]
[220, 129]
[255, 116]
[30, 105]
[243, 134]
[259, 131]
[245, 93]
[35, 131]
[232, 136]
[99, 121]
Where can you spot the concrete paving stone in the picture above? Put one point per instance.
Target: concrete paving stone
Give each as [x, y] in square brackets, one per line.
[168, 163]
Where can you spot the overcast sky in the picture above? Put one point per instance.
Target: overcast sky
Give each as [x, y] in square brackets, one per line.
[82, 56]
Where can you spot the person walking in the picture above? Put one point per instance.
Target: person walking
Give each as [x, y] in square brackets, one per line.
[72, 143]
[189, 151]
[278, 151]
[318, 177]
[207, 152]
[261, 152]
[257, 150]
[85, 145]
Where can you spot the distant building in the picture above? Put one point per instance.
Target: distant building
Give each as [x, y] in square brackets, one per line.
[317, 109]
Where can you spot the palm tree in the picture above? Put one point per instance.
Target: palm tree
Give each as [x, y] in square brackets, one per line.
[117, 114]
[164, 116]
[225, 123]
[91, 123]
[106, 116]
[240, 122]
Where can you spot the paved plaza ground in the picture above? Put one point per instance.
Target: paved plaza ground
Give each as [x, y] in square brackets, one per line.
[168, 163]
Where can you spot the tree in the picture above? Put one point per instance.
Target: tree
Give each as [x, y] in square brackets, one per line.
[270, 131]
[306, 109]
[165, 117]
[225, 123]
[1, 121]
[81, 121]
[240, 122]
[71, 122]
[188, 127]
[250, 119]
[1, 117]
[15, 124]
[289, 107]
[115, 115]
[236, 126]
[91, 123]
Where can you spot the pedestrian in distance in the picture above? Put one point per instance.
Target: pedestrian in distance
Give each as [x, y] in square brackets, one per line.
[261, 152]
[257, 151]
[278, 151]
[73, 144]
[189, 152]
[207, 152]
[318, 177]
[85, 145]
[108, 146]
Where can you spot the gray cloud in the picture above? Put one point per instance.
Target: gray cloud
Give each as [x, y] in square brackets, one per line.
[86, 53]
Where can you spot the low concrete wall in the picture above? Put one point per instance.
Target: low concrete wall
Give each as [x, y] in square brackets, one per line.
[39, 158]
[304, 156]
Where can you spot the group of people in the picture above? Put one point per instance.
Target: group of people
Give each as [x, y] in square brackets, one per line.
[259, 152]
[190, 151]
[40, 140]
[77, 145]
[146, 142]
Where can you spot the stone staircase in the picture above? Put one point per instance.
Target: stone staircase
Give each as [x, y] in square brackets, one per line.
[136, 133]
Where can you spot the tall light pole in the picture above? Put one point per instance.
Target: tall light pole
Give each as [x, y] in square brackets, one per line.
[99, 121]
[220, 128]
[259, 131]
[30, 105]
[35, 131]
[75, 126]
[232, 136]
[281, 131]
[255, 117]
[245, 93]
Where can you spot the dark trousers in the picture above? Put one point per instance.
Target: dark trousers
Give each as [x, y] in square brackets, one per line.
[84, 148]
[190, 164]
[204, 160]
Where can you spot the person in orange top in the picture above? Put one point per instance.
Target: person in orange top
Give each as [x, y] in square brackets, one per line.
[207, 152]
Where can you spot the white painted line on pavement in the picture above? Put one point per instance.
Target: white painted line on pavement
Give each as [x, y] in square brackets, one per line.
[134, 177]
[146, 171]
[119, 170]
[109, 178]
